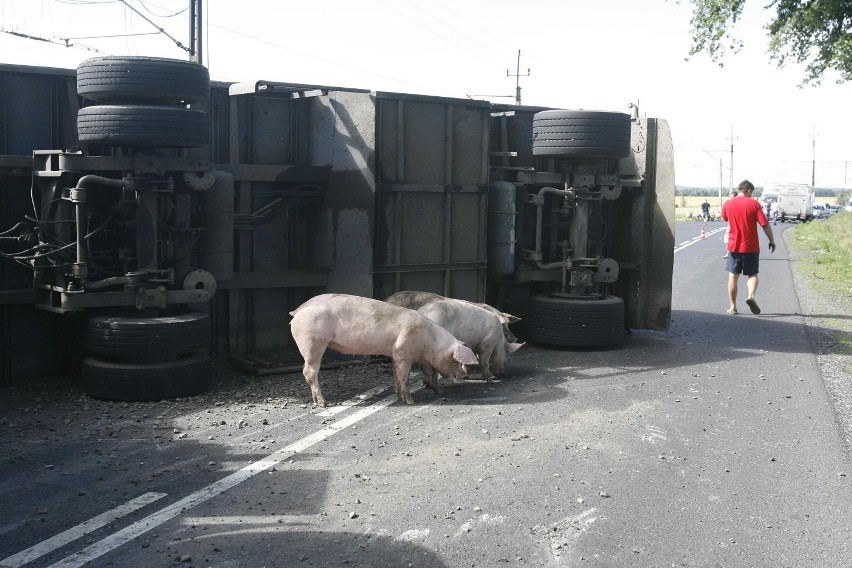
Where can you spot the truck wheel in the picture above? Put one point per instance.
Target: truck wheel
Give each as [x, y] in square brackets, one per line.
[581, 134]
[139, 382]
[141, 339]
[138, 125]
[571, 322]
[142, 80]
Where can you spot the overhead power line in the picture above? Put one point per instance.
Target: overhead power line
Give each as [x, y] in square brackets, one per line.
[150, 11]
[161, 30]
[433, 32]
[500, 41]
[64, 42]
[328, 61]
[457, 31]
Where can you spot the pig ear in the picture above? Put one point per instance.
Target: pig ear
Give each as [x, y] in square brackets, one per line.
[464, 355]
[512, 347]
[511, 318]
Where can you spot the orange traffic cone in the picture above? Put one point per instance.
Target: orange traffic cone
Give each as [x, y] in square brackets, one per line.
[702, 233]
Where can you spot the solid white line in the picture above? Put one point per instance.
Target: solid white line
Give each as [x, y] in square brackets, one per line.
[354, 401]
[84, 528]
[214, 489]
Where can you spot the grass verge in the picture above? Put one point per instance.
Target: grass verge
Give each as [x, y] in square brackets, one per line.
[824, 249]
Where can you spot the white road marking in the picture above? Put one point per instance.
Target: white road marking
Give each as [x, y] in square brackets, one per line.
[698, 239]
[354, 401]
[84, 528]
[168, 513]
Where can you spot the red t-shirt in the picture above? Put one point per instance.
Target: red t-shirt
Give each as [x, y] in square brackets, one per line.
[743, 214]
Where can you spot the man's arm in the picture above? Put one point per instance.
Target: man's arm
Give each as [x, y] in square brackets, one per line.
[767, 228]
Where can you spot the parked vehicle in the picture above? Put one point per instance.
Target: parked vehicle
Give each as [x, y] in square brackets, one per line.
[795, 201]
[821, 210]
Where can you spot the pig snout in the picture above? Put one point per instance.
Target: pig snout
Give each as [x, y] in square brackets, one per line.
[456, 366]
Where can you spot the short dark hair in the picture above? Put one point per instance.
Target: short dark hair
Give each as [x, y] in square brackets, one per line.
[746, 185]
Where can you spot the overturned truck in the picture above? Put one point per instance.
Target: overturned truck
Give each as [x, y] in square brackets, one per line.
[152, 219]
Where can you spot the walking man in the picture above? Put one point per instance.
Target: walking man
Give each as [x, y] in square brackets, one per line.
[743, 214]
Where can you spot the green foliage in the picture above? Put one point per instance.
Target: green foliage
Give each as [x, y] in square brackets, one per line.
[824, 260]
[813, 32]
[843, 197]
[829, 250]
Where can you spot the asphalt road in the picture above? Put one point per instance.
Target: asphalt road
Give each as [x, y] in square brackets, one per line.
[713, 445]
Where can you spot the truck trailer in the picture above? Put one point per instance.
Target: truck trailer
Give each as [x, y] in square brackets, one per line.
[152, 219]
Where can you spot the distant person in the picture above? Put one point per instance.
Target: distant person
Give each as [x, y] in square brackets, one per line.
[743, 214]
[773, 212]
[705, 210]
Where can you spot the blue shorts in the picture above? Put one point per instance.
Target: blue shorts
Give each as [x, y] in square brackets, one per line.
[743, 263]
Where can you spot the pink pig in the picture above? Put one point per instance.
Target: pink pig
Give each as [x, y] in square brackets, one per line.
[415, 299]
[477, 327]
[362, 326]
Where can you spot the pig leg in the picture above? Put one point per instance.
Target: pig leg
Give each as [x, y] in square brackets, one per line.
[430, 378]
[484, 360]
[313, 352]
[401, 370]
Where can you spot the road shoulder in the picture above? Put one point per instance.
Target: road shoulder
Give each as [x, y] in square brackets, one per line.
[828, 316]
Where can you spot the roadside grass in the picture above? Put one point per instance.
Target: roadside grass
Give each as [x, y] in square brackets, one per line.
[826, 264]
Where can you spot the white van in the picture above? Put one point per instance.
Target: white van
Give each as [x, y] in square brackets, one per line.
[849, 206]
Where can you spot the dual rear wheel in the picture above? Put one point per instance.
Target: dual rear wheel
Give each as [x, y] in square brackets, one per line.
[153, 103]
[146, 358]
[143, 101]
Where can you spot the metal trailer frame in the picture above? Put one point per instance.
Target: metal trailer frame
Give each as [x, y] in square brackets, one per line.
[328, 189]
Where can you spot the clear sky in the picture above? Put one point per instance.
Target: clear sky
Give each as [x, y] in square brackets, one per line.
[581, 54]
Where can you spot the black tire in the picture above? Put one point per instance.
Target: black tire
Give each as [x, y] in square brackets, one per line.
[142, 80]
[570, 322]
[581, 134]
[140, 382]
[156, 338]
[138, 125]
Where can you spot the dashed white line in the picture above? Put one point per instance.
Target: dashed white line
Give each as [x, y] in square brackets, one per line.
[84, 528]
[698, 239]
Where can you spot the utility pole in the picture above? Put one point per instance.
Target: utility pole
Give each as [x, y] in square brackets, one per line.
[732, 157]
[195, 27]
[813, 157]
[517, 77]
[720, 183]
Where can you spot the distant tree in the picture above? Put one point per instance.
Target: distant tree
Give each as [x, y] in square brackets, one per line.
[813, 32]
[843, 197]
